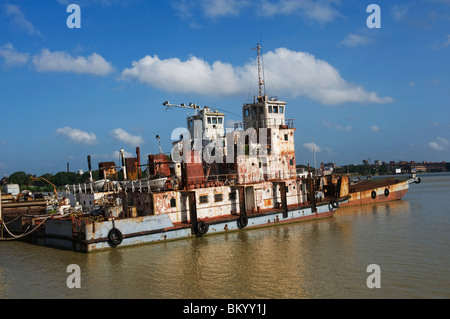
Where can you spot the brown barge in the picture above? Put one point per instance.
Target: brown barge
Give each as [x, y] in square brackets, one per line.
[379, 189]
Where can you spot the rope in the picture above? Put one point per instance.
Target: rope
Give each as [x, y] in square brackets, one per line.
[14, 237]
[20, 215]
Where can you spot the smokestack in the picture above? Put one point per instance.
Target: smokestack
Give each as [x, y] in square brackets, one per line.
[122, 154]
[90, 168]
[138, 155]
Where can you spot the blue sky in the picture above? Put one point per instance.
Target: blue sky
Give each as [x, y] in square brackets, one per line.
[360, 92]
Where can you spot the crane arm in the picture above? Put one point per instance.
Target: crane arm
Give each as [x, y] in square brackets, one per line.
[182, 105]
[39, 178]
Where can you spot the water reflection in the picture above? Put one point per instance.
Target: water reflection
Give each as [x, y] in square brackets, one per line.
[378, 209]
[408, 239]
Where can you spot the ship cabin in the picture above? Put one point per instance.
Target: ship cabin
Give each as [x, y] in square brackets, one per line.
[212, 123]
[266, 112]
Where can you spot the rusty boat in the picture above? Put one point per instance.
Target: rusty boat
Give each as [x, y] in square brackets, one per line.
[215, 180]
[227, 190]
[370, 190]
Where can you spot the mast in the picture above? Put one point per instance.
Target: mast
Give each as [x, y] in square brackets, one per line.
[260, 81]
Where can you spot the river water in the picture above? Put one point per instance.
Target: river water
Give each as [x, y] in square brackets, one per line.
[408, 240]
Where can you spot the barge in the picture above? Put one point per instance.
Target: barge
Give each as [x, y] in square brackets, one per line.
[379, 189]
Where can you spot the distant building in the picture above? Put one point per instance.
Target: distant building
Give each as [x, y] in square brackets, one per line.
[414, 167]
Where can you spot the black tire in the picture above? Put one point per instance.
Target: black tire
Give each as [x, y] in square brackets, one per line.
[417, 181]
[386, 192]
[115, 237]
[242, 221]
[334, 203]
[374, 194]
[202, 228]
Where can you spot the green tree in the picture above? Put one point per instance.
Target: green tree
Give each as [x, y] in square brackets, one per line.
[21, 178]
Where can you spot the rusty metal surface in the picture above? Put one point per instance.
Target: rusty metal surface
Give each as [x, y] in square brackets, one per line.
[382, 190]
[375, 183]
[107, 170]
[158, 164]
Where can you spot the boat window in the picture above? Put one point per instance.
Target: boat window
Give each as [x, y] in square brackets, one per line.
[190, 123]
[281, 109]
[220, 120]
[232, 196]
[285, 137]
[218, 197]
[203, 199]
[209, 120]
[275, 109]
[246, 112]
[270, 108]
[254, 110]
[214, 120]
[173, 202]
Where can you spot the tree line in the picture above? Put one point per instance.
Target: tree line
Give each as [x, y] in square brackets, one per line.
[29, 182]
[364, 169]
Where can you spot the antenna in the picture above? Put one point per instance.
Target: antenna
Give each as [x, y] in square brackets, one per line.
[260, 81]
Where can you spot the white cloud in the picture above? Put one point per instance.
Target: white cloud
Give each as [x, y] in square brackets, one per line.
[193, 75]
[441, 144]
[216, 8]
[125, 137]
[114, 155]
[374, 128]
[442, 44]
[12, 56]
[293, 73]
[319, 11]
[59, 61]
[312, 147]
[338, 126]
[209, 8]
[355, 40]
[76, 135]
[19, 20]
[399, 11]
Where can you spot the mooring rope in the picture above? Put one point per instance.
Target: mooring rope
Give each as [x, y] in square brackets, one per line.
[14, 237]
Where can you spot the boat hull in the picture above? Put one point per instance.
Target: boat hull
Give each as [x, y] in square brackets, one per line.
[158, 228]
[384, 190]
